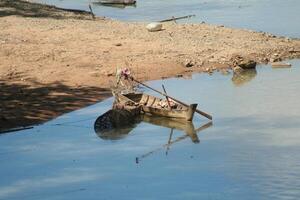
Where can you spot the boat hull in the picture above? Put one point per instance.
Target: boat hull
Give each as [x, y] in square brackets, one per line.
[181, 114]
[123, 2]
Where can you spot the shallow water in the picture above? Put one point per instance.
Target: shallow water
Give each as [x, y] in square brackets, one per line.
[250, 152]
[274, 16]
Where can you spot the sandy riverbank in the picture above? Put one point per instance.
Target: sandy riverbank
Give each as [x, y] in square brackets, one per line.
[53, 61]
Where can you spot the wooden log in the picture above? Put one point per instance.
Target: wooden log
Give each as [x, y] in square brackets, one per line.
[178, 101]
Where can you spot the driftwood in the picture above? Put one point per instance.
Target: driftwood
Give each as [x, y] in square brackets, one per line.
[176, 18]
[90, 7]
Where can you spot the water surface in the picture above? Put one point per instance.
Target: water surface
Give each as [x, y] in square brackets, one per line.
[250, 152]
[274, 16]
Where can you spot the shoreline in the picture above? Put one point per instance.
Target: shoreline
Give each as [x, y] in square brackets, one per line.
[57, 61]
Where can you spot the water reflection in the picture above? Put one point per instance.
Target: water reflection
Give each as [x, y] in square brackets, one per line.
[108, 128]
[115, 124]
[251, 151]
[243, 77]
[185, 126]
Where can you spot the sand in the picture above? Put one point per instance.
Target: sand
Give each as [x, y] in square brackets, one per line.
[54, 61]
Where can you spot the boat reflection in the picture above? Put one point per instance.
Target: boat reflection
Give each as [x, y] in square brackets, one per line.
[182, 125]
[185, 126]
[115, 124]
[108, 129]
[243, 77]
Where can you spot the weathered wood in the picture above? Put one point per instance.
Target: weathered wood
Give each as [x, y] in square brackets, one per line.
[177, 18]
[178, 101]
[91, 10]
[170, 108]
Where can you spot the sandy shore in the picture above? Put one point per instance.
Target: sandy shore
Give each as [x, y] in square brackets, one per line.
[53, 61]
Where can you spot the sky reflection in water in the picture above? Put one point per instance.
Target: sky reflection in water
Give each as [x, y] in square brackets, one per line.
[274, 16]
[250, 152]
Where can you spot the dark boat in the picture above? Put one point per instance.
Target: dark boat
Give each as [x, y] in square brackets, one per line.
[122, 2]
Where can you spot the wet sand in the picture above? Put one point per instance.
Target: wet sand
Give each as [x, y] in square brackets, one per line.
[54, 61]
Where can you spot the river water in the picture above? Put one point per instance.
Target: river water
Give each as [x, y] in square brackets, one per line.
[251, 151]
[274, 16]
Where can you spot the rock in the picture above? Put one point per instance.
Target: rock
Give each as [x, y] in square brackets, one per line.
[238, 69]
[188, 63]
[154, 26]
[275, 60]
[265, 60]
[200, 63]
[206, 69]
[247, 64]
[118, 44]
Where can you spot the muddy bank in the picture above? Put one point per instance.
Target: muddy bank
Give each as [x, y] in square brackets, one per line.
[63, 56]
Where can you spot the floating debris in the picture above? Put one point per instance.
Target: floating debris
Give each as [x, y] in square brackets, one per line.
[281, 65]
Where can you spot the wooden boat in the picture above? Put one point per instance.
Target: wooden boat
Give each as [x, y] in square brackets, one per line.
[123, 2]
[155, 106]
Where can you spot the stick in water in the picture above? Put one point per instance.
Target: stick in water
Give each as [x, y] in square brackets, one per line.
[90, 7]
[170, 108]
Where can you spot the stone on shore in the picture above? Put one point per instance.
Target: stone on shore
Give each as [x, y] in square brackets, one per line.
[154, 26]
[247, 64]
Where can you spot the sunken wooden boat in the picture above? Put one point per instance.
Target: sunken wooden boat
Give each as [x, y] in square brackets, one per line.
[123, 2]
[152, 105]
